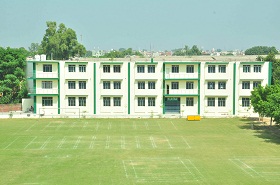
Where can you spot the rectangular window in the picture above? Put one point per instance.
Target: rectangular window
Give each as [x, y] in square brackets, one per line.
[82, 101]
[71, 101]
[106, 85]
[106, 101]
[151, 69]
[140, 69]
[175, 68]
[245, 102]
[141, 101]
[246, 68]
[106, 68]
[117, 85]
[256, 84]
[71, 68]
[117, 68]
[82, 68]
[246, 85]
[151, 85]
[211, 102]
[221, 102]
[211, 85]
[151, 101]
[174, 85]
[211, 68]
[46, 84]
[117, 101]
[82, 85]
[141, 85]
[189, 85]
[222, 68]
[257, 69]
[71, 85]
[221, 85]
[189, 101]
[47, 101]
[47, 68]
[190, 69]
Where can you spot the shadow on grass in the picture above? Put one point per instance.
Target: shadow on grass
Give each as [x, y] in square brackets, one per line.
[268, 133]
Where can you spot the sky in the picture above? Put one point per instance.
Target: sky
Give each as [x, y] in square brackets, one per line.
[145, 24]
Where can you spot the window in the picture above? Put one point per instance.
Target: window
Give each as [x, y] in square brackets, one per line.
[151, 101]
[189, 85]
[141, 85]
[222, 68]
[245, 102]
[106, 85]
[140, 69]
[174, 85]
[117, 68]
[71, 85]
[245, 85]
[82, 101]
[141, 101]
[47, 101]
[71, 68]
[189, 101]
[256, 84]
[211, 102]
[46, 84]
[106, 101]
[221, 102]
[246, 68]
[71, 101]
[151, 68]
[211, 85]
[257, 68]
[117, 101]
[82, 85]
[82, 68]
[151, 85]
[117, 85]
[190, 69]
[47, 68]
[211, 68]
[175, 68]
[106, 68]
[221, 85]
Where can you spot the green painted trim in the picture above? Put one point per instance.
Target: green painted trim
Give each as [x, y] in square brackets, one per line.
[94, 88]
[111, 62]
[269, 73]
[181, 62]
[253, 62]
[47, 61]
[181, 79]
[58, 83]
[198, 98]
[234, 88]
[76, 62]
[163, 89]
[217, 62]
[128, 89]
[35, 104]
[146, 62]
[175, 95]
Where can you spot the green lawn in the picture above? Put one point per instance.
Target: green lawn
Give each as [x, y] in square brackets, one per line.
[138, 151]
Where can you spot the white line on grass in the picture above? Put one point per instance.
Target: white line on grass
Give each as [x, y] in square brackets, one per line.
[60, 125]
[153, 142]
[30, 142]
[186, 142]
[123, 142]
[77, 142]
[147, 126]
[133, 169]
[46, 126]
[73, 124]
[247, 166]
[11, 143]
[30, 127]
[85, 125]
[159, 125]
[108, 142]
[92, 142]
[168, 142]
[109, 125]
[97, 126]
[187, 168]
[137, 142]
[125, 169]
[174, 126]
[195, 167]
[61, 142]
[134, 125]
[240, 166]
[45, 143]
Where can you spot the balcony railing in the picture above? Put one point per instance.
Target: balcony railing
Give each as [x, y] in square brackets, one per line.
[181, 76]
[43, 91]
[43, 75]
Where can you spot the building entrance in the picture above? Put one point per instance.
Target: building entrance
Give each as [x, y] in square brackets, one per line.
[172, 105]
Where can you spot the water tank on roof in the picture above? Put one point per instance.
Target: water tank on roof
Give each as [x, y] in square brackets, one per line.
[37, 57]
[43, 57]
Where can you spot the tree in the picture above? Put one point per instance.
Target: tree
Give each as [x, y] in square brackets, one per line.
[61, 43]
[34, 49]
[12, 75]
[261, 50]
[186, 51]
[122, 53]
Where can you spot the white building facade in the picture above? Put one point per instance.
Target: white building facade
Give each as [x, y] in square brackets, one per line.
[145, 87]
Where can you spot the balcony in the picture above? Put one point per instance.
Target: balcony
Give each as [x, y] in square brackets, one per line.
[146, 76]
[43, 91]
[252, 76]
[181, 76]
[182, 92]
[146, 92]
[115, 76]
[111, 92]
[43, 75]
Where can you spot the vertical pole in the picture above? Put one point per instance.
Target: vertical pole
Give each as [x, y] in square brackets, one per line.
[234, 88]
[128, 89]
[94, 88]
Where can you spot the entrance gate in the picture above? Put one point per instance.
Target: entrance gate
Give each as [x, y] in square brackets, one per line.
[172, 105]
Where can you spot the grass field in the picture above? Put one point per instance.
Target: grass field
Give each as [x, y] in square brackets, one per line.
[138, 151]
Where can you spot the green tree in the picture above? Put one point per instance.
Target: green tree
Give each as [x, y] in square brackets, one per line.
[34, 49]
[61, 43]
[186, 51]
[261, 50]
